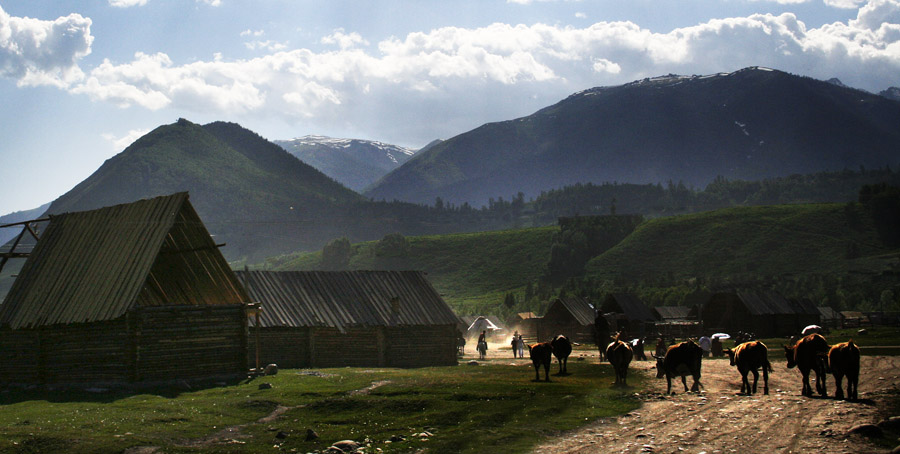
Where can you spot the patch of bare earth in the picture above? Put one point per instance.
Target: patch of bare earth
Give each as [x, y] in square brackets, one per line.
[720, 420]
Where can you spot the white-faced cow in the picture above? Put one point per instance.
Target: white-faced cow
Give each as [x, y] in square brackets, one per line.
[619, 354]
[681, 359]
[562, 348]
[809, 354]
[750, 357]
[843, 359]
[541, 355]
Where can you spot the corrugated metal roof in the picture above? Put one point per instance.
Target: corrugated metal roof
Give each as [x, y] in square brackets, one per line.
[630, 304]
[96, 265]
[673, 312]
[579, 308]
[771, 303]
[346, 298]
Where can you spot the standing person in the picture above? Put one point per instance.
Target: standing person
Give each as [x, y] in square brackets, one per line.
[482, 344]
[520, 343]
[514, 343]
[717, 348]
[704, 344]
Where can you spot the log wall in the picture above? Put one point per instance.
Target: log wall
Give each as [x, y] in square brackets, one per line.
[155, 344]
[409, 346]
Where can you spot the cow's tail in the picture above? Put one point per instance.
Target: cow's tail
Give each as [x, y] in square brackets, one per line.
[768, 366]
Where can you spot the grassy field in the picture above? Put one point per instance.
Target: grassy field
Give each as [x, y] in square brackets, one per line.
[465, 408]
[767, 240]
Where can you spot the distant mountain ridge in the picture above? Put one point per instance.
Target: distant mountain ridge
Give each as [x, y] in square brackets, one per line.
[355, 163]
[750, 124]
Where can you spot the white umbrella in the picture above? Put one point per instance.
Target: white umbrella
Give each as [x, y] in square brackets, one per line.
[721, 336]
[811, 329]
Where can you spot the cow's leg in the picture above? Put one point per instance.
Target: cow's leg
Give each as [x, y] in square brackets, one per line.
[807, 390]
[566, 365]
[823, 391]
[755, 379]
[745, 384]
[839, 382]
[537, 372]
[625, 376]
[547, 370]
[684, 382]
[852, 383]
[668, 385]
[765, 369]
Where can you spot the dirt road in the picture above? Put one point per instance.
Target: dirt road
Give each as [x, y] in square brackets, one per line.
[719, 420]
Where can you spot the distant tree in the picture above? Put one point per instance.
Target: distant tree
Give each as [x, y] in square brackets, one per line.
[392, 245]
[510, 300]
[336, 254]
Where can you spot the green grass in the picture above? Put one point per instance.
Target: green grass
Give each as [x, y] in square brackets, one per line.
[767, 240]
[467, 409]
[470, 270]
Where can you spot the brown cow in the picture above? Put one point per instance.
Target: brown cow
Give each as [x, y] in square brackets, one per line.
[681, 359]
[541, 355]
[619, 354]
[562, 348]
[843, 360]
[749, 357]
[809, 354]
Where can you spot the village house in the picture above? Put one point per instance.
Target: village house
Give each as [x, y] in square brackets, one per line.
[129, 293]
[630, 313]
[570, 316]
[350, 318]
[764, 313]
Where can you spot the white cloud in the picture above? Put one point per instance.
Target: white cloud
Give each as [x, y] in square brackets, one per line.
[211, 2]
[127, 3]
[344, 40]
[844, 4]
[267, 45]
[121, 143]
[254, 33]
[39, 52]
[580, 15]
[475, 69]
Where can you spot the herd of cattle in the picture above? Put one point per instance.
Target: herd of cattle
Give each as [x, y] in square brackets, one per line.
[811, 354]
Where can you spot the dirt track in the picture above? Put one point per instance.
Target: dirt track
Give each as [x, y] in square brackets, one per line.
[719, 420]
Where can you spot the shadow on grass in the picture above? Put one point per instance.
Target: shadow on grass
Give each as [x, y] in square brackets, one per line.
[106, 393]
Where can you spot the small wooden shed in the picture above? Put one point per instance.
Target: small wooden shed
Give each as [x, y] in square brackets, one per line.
[762, 312]
[632, 315]
[351, 318]
[128, 293]
[571, 316]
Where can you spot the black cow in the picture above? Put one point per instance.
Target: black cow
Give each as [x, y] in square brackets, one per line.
[562, 348]
[541, 355]
[681, 359]
[619, 354]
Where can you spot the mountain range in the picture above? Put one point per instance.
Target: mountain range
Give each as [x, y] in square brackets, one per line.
[354, 163]
[751, 124]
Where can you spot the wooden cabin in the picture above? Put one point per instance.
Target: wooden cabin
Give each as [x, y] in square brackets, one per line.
[764, 313]
[350, 318]
[631, 314]
[571, 316]
[129, 293]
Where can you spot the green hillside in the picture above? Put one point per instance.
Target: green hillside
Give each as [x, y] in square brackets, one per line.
[768, 241]
[472, 271]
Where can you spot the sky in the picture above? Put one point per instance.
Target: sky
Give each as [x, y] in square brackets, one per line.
[80, 81]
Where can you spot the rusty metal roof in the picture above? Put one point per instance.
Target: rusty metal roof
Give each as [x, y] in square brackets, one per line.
[96, 265]
[346, 298]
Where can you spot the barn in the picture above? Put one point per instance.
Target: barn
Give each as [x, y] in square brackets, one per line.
[129, 293]
[632, 315]
[350, 318]
[571, 316]
[764, 313]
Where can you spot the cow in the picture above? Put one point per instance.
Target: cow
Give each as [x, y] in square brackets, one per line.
[748, 357]
[681, 359]
[809, 354]
[541, 355]
[619, 354]
[638, 348]
[601, 334]
[843, 360]
[562, 348]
